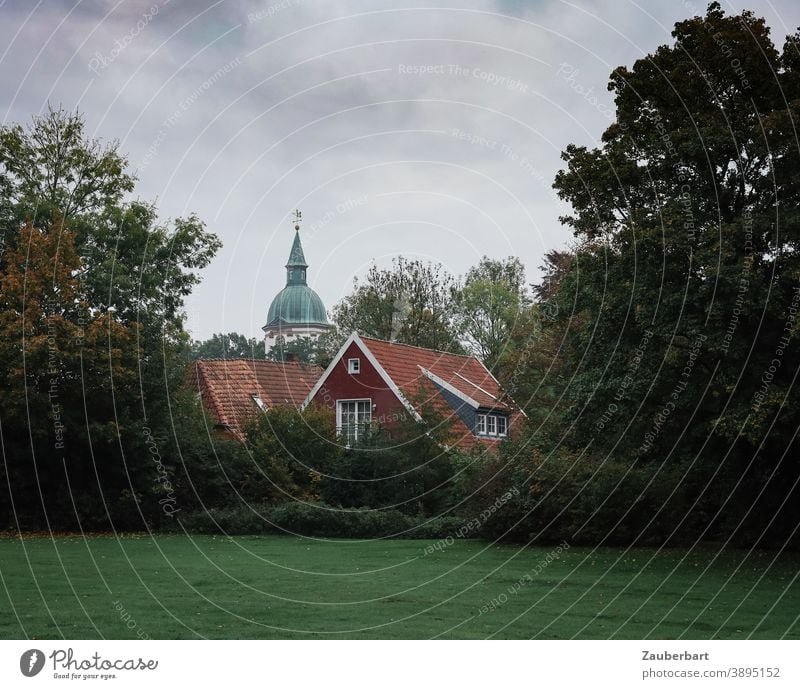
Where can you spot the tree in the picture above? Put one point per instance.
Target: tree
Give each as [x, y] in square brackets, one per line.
[290, 452]
[487, 305]
[131, 262]
[120, 276]
[556, 265]
[681, 295]
[50, 168]
[409, 303]
[58, 358]
[309, 350]
[228, 346]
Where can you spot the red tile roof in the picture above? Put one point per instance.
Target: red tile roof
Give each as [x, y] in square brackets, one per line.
[406, 366]
[227, 387]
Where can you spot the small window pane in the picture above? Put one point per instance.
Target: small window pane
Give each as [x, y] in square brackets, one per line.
[491, 425]
[502, 425]
[481, 424]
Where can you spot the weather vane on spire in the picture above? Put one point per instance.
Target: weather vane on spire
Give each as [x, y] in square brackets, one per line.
[298, 216]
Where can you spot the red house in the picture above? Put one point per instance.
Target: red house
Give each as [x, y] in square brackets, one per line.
[373, 382]
[233, 390]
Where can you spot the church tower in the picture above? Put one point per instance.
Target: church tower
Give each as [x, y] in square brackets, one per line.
[296, 311]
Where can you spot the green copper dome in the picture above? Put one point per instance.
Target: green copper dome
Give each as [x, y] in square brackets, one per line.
[297, 303]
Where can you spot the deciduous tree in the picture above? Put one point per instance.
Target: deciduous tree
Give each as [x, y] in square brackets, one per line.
[410, 303]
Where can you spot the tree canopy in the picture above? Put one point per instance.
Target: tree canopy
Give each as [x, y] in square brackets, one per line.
[487, 305]
[409, 303]
[673, 329]
[93, 346]
[228, 346]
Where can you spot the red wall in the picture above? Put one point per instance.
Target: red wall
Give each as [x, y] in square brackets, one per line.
[342, 385]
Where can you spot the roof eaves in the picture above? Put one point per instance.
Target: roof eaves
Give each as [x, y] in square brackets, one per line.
[476, 386]
[512, 403]
[450, 388]
[356, 338]
[314, 390]
[387, 378]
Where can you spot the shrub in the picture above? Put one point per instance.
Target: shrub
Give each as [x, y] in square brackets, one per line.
[401, 468]
[242, 519]
[289, 450]
[318, 519]
[314, 519]
[585, 498]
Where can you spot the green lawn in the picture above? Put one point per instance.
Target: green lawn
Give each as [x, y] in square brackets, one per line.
[282, 587]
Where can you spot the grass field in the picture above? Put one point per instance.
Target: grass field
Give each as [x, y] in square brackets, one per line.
[281, 587]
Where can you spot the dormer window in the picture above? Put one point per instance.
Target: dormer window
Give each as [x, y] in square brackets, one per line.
[492, 425]
[354, 365]
[259, 403]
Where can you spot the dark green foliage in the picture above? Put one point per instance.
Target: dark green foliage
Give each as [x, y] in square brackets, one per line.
[239, 519]
[683, 236]
[307, 519]
[93, 333]
[228, 346]
[315, 519]
[310, 350]
[290, 451]
[403, 466]
[663, 376]
[581, 498]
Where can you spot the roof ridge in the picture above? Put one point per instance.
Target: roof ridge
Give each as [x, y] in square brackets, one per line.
[427, 349]
[250, 361]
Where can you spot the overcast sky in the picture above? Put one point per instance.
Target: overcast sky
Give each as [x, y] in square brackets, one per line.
[431, 133]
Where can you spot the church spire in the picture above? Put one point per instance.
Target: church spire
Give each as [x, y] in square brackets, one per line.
[296, 265]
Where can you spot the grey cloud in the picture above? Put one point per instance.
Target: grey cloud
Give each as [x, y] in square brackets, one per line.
[313, 109]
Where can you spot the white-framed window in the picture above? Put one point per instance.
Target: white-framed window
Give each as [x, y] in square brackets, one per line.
[495, 425]
[353, 419]
[354, 365]
[502, 425]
